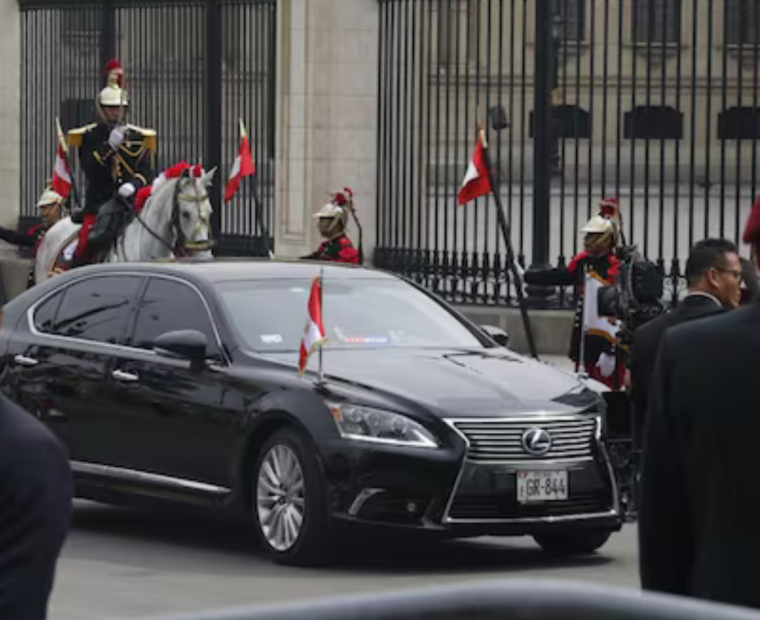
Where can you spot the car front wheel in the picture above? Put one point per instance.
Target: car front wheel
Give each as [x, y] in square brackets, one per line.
[289, 501]
[572, 543]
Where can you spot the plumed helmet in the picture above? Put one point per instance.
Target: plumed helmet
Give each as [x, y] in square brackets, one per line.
[606, 222]
[336, 209]
[49, 197]
[113, 95]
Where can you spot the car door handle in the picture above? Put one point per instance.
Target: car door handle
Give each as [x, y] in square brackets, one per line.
[23, 360]
[126, 377]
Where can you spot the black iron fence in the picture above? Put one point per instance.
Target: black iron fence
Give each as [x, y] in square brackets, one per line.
[654, 102]
[192, 68]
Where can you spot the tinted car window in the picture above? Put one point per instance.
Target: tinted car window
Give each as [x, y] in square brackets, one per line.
[270, 315]
[168, 306]
[46, 311]
[97, 308]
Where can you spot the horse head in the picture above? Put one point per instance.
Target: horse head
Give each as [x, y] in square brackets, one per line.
[191, 214]
[179, 211]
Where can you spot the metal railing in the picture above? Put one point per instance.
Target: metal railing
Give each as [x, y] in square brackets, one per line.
[506, 600]
[192, 69]
[655, 103]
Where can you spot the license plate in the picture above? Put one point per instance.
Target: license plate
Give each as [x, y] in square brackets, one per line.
[541, 486]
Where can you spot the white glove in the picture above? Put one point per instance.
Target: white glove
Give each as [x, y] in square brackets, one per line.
[606, 364]
[116, 137]
[126, 190]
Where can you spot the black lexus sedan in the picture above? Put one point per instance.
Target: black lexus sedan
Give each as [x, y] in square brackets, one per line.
[177, 382]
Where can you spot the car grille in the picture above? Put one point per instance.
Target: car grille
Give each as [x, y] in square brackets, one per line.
[501, 440]
[499, 507]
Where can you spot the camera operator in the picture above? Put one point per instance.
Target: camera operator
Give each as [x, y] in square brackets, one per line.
[594, 267]
[713, 275]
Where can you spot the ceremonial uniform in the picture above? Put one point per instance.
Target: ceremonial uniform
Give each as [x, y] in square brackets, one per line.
[333, 219]
[340, 249]
[591, 270]
[117, 161]
[108, 169]
[49, 205]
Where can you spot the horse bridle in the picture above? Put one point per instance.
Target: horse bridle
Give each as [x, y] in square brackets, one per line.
[181, 244]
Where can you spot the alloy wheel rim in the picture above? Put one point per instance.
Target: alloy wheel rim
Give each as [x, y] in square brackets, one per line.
[280, 497]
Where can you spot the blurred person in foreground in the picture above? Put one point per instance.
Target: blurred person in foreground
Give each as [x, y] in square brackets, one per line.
[713, 285]
[698, 532]
[35, 510]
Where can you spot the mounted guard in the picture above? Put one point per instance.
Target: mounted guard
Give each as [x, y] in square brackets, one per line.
[332, 222]
[117, 160]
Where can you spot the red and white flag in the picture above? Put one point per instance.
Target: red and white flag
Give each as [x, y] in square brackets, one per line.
[61, 172]
[314, 333]
[476, 181]
[242, 167]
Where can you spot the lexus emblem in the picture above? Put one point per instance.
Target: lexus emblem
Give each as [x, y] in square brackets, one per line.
[536, 441]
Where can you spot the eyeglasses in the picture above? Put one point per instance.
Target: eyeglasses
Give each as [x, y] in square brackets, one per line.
[734, 272]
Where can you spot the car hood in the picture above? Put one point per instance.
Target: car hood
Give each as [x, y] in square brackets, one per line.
[455, 382]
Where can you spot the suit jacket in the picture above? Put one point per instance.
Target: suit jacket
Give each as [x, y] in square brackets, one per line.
[35, 509]
[699, 500]
[646, 345]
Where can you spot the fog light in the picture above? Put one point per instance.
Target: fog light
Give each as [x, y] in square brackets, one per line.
[411, 507]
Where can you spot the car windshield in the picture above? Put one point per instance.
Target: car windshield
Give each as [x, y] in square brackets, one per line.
[270, 315]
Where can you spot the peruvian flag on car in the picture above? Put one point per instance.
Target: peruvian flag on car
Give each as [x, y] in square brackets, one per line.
[61, 173]
[314, 333]
[476, 181]
[242, 167]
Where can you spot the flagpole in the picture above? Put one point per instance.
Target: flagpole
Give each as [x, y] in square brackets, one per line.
[72, 175]
[320, 368]
[504, 226]
[257, 206]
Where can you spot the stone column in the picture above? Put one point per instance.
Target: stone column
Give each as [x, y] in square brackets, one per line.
[10, 114]
[326, 116]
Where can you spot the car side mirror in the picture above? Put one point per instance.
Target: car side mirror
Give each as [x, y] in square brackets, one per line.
[498, 335]
[187, 344]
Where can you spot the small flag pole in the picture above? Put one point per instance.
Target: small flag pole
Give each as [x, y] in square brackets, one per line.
[504, 226]
[257, 204]
[65, 151]
[320, 367]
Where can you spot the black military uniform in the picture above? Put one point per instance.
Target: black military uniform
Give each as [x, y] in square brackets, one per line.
[106, 170]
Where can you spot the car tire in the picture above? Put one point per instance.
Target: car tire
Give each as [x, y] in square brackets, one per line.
[572, 543]
[306, 509]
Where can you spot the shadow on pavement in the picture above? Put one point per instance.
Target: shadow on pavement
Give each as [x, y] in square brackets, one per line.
[182, 538]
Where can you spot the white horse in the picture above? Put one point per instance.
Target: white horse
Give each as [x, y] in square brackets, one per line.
[176, 219]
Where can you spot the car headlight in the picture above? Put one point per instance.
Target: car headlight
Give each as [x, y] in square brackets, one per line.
[379, 426]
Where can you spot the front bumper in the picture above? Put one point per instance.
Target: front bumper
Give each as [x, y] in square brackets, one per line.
[445, 491]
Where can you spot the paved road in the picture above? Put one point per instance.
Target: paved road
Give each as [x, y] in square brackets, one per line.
[123, 564]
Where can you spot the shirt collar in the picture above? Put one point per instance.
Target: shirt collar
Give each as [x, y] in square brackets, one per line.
[703, 294]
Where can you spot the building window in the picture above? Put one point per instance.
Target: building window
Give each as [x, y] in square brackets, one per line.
[739, 124]
[653, 123]
[742, 22]
[568, 121]
[571, 19]
[656, 21]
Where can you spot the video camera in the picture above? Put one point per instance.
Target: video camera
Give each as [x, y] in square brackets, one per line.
[636, 296]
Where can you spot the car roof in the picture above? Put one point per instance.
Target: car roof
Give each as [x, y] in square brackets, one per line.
[211, 271]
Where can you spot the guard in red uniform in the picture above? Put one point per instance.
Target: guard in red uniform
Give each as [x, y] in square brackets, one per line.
[598, 262]
[332, 222]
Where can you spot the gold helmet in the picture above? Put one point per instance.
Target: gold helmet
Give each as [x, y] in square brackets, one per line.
[336, 210]
[113, 95]
[49, 197]
[605, 226]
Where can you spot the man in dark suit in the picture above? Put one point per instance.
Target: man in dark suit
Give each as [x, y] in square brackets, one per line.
[698, 530]
[712, 286]
[35, 510]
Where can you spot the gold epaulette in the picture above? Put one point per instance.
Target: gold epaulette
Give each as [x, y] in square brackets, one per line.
[77, 135]
[150, 135]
